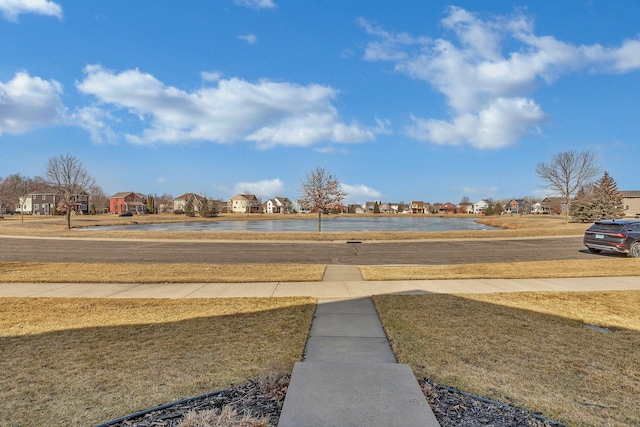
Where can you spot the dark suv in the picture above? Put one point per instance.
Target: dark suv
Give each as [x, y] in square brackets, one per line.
[617, 235]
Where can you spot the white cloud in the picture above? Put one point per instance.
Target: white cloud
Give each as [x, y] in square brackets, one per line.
[360, 193]
[264, 189]
[211, 76]
[11, 9]
[498, 125]
[256, 4]
[93, 120]
[267, 113]
[27, 102]
[489, 91]
[249, 38]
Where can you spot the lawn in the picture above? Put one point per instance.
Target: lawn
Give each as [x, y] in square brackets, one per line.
[79, 362]
[574, 357]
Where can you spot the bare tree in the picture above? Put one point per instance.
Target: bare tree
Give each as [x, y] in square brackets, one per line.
[99, 200]
[567, 172]
[14, 189]
[320, 192]
[67, 175]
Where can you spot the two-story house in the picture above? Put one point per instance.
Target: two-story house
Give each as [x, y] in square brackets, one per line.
[419, 207]
[553, 205]
[243, 203]
[480, 206]
[44, 201]
[278, 205]
[521, 206]
[180, 202]
[128, 201]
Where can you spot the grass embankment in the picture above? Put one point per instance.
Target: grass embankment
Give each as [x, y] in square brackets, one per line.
[80, 362]
[528, 349]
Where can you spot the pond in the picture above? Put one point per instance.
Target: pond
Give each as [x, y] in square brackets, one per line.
[336, 224]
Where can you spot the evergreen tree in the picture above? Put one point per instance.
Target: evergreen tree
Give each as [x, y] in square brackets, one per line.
[151, 204]
[582, 208]
[205, 208]
[376, 208]
[189, 210]
[607, 198]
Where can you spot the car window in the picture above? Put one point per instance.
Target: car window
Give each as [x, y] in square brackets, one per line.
[610, 228]
[634, 228]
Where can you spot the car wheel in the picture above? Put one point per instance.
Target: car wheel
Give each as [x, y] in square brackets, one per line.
[634, 251]
[594, 250]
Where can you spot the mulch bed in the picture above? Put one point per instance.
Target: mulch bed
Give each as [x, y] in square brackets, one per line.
[265, 398]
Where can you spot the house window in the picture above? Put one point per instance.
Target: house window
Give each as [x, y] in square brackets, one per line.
[36, 207]
[44, 197]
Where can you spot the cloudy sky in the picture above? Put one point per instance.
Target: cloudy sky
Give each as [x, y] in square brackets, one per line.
[401, 101]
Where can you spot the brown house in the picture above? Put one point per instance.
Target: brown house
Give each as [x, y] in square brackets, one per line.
[127, 202]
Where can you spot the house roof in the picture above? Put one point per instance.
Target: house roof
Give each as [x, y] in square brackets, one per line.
[122, 194]
[187, 196]
[249, 197]
[628, 194]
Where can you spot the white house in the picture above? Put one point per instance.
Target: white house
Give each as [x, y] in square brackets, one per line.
[278, 205]
[480, 206]
[180, 202]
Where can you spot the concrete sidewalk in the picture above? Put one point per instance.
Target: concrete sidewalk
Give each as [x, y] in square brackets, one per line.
[333, 289]
[349, 376]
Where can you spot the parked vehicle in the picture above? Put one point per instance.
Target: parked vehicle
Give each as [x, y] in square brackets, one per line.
[126, 214]
[617, 235]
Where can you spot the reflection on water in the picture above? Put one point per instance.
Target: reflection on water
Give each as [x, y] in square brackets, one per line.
[400, 223]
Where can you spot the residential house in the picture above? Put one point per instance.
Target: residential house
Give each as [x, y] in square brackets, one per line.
[631, 203]
[180, 202]
[278, 205]
[243, 203]
[354, 208]
[25, 206]
[419, 207]
[536, 208]
[447, 208]
[388, 208]
[44, 201]
[465, 207]
[480, 206]
[128, 201]
[553, 205]
[521, 206]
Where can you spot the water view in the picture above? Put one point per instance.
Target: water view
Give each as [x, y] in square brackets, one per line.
[400, 223]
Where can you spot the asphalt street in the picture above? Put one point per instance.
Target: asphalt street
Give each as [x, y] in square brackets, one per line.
[366, 253]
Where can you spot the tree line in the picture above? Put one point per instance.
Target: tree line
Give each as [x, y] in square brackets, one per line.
[568, 174]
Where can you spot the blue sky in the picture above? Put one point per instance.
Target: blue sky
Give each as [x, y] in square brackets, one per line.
[401, 101]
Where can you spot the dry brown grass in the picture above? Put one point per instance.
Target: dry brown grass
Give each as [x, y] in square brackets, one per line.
[80, 362]
[602, 267]
[68, 272]
[529, 349]
[507, 226]
[227, 417]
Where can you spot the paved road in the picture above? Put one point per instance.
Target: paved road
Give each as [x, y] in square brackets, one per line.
[378, 253]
